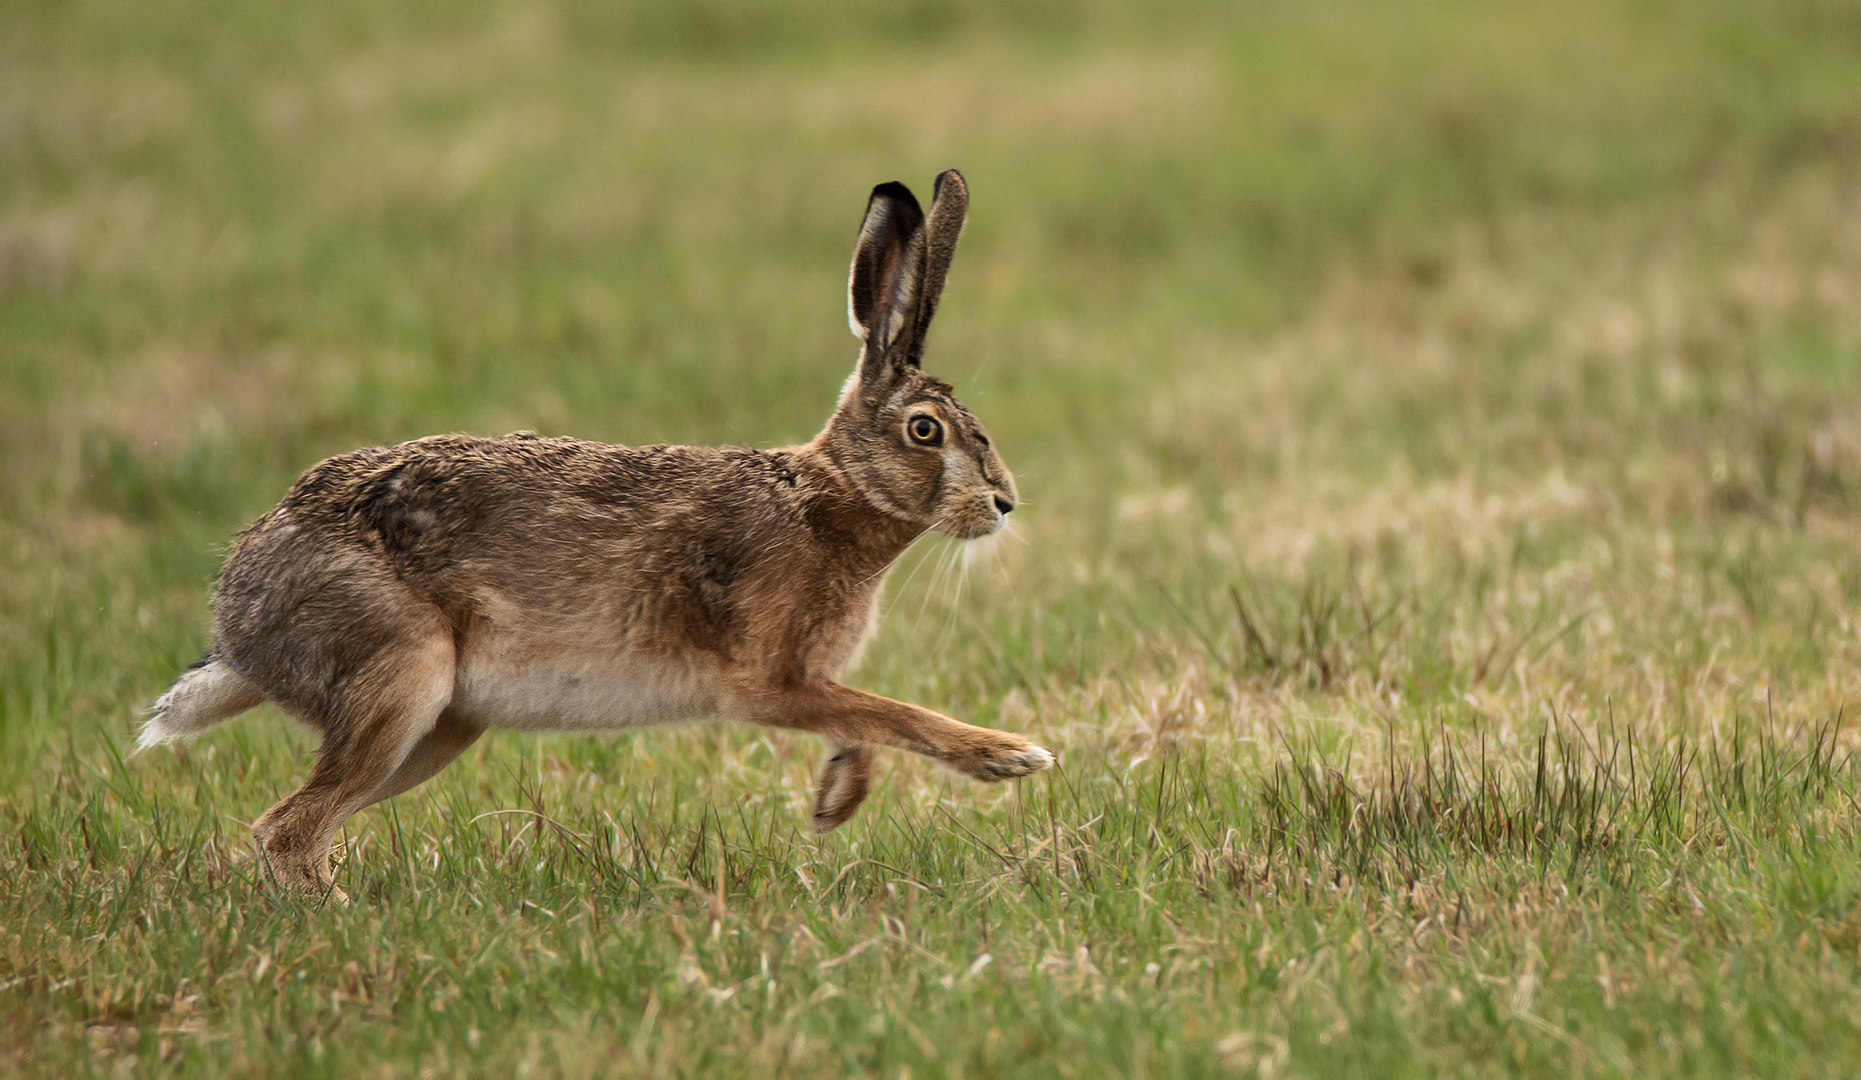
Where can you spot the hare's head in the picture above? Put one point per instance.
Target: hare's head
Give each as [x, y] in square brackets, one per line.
[902, 438]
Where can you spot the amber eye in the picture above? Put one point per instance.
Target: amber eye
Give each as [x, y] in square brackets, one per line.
[924, 431]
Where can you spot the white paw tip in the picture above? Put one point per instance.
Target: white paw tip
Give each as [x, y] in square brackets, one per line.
[1018, 763]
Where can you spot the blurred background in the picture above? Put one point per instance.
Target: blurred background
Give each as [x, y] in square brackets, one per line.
[1367, 298]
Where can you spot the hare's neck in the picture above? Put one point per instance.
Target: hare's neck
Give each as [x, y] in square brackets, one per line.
[871, 538]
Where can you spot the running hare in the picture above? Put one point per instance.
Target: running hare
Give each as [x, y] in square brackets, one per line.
[402, 599]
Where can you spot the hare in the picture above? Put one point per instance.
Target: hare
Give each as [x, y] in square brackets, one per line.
[403, 599]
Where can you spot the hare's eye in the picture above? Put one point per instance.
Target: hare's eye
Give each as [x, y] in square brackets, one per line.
[925, 432]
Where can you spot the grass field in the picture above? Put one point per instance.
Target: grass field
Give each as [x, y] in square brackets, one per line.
[1440, 432]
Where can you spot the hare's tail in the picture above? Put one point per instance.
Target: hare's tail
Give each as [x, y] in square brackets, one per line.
[207, 693]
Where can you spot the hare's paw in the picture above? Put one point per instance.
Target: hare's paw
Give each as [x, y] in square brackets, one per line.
[302, 877]
[844, 780]
[1015, 757]
[292, 867]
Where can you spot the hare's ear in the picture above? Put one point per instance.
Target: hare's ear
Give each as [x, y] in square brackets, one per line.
[885, 286]
[949, 209]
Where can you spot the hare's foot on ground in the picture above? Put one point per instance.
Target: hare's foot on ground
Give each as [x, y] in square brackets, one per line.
[292, 866]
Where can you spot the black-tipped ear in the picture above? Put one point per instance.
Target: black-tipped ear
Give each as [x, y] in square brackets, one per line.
[884, 286]
[949, 210]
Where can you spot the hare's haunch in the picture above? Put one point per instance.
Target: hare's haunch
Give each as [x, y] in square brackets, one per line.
[403, 599]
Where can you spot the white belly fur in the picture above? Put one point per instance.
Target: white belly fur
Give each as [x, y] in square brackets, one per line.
[579, 695]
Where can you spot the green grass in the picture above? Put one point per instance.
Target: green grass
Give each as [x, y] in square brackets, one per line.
[1440, 432]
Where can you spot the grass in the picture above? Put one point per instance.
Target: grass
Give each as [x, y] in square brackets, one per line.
[1438, 428]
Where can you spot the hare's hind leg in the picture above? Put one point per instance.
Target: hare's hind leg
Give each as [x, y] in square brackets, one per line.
[436, 749]
[387, 711]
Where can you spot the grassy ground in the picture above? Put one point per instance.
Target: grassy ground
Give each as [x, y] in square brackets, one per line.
[1440, 426]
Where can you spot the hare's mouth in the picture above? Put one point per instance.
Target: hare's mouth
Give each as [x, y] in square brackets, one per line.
[974, 523]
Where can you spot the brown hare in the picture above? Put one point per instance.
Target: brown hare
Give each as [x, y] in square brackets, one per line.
[403, 599]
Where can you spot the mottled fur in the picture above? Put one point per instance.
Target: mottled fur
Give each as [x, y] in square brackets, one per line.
[401, 600]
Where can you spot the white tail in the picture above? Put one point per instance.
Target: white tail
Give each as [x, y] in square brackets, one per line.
[199, 699]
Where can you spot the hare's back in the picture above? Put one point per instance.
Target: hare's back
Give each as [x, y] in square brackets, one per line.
[455, 500]
[421, 493]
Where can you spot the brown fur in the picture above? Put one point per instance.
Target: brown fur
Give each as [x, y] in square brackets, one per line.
[403, 599]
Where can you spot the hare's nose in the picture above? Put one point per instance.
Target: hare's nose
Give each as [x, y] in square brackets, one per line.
[1003, 504]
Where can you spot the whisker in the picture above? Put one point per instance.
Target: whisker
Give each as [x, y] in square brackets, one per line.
[898, 590]
[931, 590]
[953, 606]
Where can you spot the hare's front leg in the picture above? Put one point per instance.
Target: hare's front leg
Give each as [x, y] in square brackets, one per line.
[846, 776]
[850, 716]
[381, 737]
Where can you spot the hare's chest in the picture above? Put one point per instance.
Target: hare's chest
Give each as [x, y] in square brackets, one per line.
[579, 693]
[837, 645]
